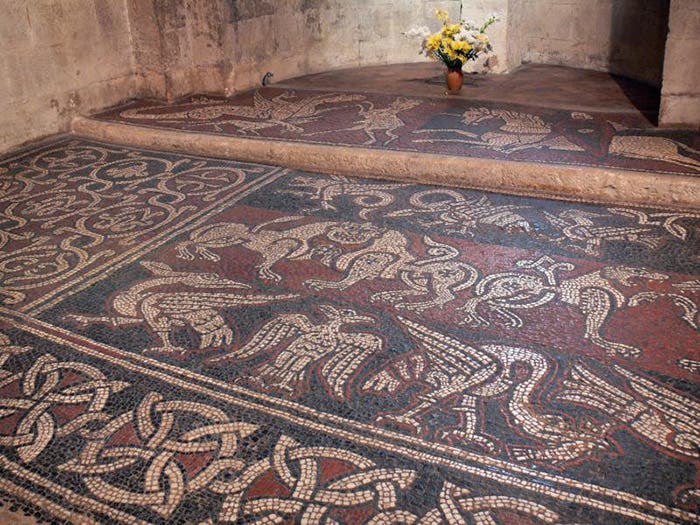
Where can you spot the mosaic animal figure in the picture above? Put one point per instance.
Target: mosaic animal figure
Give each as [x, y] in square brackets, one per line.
[448, 368]
[459, 213]
[667, 221]
[519, 131]
[367, 253]
[665, 417]
[436, 278]
[689, 308]
[325, 190]
[286, 110]
[579, 229]
[273, 245]
[161, 303]
[373, 120]
[298, 344]
[595, 295]
[654, 148]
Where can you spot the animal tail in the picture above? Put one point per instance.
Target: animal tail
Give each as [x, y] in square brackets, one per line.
[278, 220]
[401, 372]
[583, 386]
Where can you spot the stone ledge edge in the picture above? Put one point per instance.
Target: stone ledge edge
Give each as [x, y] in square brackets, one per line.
[561, 182]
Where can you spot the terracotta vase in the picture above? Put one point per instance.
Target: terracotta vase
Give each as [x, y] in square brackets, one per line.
[455, 79]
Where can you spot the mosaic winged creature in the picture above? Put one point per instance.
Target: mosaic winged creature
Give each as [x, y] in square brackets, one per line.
[462, 213]
[174, 299]
[373, 120]
[665, 417]
[448, 369]
[301, 343]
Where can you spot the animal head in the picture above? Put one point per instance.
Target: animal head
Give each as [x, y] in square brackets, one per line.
[403, 103]
[580, 216]
[353, 232]
[477, 115]
[192, 279]
[624, 274]
[344, 315]
[316, 183]
[217, 235]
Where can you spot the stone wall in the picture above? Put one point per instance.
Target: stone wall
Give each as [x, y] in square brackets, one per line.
[680, 96]
[59, 58]
[622, 36]
[228, 45]
[63, 57]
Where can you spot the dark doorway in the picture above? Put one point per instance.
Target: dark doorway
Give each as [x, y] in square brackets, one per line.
[637, 47]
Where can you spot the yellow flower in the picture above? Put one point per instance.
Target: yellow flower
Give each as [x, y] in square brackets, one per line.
[461, 46]
[451, 53]
[433, 42]
[442, 15]
[451, 29]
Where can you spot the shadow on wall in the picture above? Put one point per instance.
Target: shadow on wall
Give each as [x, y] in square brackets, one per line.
[637, 44]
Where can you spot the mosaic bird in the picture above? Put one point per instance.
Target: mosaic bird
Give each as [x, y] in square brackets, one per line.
[163, 305]
[304, 343]
[666, 417]
[448, 368]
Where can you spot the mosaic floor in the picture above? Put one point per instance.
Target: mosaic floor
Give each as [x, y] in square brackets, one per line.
[428, 125]
[189, 340]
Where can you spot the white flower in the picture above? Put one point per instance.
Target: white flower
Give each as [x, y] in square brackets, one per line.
[417, 32]
[470, 24]
[467, 35]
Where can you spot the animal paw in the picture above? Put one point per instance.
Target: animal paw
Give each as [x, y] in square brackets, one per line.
[386, 296]
[616, 349]
[415, 307]
[269, 275]
[222, 335]
[474, 320]
[523, 455]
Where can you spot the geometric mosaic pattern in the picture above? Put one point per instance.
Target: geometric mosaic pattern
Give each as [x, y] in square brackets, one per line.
[429, 125]
[191, 340]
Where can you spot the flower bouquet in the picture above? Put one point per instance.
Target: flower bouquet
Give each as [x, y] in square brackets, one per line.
[454, 44]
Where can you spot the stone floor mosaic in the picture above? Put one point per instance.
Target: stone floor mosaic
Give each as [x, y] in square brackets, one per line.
[189, 340]
[429, 125]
